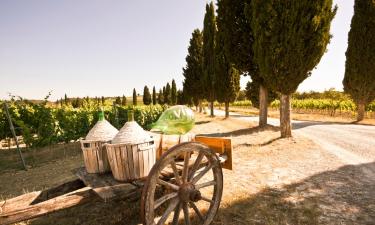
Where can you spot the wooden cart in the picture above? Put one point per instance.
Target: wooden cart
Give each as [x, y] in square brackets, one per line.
[187, 176]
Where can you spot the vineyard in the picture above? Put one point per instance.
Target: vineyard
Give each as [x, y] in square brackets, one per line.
[325, 106]
[42, 124]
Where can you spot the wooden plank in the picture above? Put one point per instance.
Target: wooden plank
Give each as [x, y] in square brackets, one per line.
[124, 157]
[219, 145]
[105, 185]
[61, 202]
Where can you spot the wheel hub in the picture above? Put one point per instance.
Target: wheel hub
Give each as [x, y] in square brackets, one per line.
[187, 192]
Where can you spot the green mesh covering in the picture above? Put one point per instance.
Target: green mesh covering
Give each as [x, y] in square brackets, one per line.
[178, 119]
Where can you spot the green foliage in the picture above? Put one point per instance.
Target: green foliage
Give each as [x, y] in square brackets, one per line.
[315, 104]
[180, 97]
[167, 94]
[290, 37]
[161, 97]
[252, 93]
[41, 125]
[209, 38]
[327, 94]
[229, 86]
[193, 71]
[123, 100]
[173, 93]
[359, 80]
[237, 34]
[146, 96]
[118, 100]
[154, 96]
[134, 97]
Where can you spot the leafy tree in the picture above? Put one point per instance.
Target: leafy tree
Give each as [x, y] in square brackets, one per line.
[103, 100]
[180, 97]
[234, 23]
[209, 33]
[167, 94]
[146, 96]
[161, 97]
[153, 96]
[66, 100]
[118, 100]
[229, 86]
[290, 38]
[193, 71]
[134, 97]
[123, 100]
[359, 80]
[174, 93]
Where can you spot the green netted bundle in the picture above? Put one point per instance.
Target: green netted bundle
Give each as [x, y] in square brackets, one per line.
[178, 119]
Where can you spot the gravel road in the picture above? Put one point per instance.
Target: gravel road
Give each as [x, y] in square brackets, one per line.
[351, 143]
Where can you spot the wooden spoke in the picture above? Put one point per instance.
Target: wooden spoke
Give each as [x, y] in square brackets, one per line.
[202, 173]
[196, 165]
[186, 213]
[206, 184]
[176, 214]
[195, 208]
[165, 198]
[207, 199]
[175, 171]
[185, 170]
[169, 185]
[168, 211]
[197, 171]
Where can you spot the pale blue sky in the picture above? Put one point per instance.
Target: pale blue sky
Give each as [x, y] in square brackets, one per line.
[97, 47]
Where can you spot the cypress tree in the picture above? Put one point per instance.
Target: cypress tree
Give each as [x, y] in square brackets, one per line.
[146, 96]
[180, 97]
[209, 33]
[290, 37]
[123, 100]
[359, 80]
[234, 22]
[103, 100]
[173, 93]
[193, 71]
[229, 86]
[134, 97]
[167, 94]
[61, 102]
[161, 97]
[66, 100]
[154, 96]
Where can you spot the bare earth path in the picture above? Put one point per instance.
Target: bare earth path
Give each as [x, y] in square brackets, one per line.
[353, 144]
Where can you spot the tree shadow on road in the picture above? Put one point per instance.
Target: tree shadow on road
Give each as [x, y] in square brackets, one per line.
[342, 196]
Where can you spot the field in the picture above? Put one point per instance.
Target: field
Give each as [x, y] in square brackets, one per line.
[274, 181]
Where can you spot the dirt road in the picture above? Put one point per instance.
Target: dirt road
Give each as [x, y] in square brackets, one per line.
[353, 144]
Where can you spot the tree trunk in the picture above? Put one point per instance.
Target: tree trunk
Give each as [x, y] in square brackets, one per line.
[200, 107]
[285, 124]
[263, 106]
[226, 109]
[212, 109]
[360, 111]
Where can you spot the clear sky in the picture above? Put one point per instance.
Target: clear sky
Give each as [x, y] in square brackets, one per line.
[107, 48]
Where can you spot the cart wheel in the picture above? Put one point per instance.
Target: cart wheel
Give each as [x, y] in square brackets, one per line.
[190, 187]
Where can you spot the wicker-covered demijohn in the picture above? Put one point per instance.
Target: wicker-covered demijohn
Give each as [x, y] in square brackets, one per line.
[94, 152]
[132, 153]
